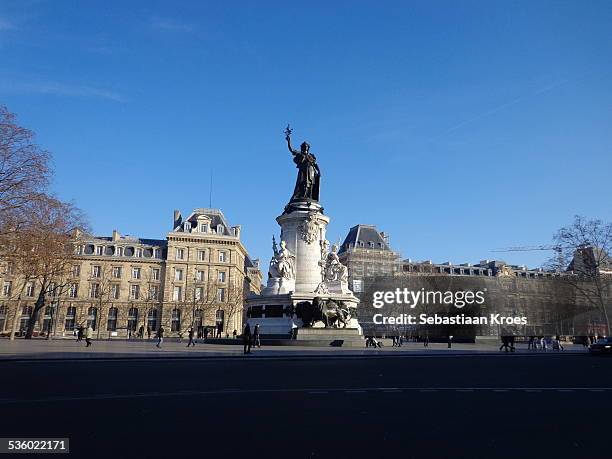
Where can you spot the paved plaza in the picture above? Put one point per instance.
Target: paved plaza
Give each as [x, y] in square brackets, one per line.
[71, 349]
[477, 405]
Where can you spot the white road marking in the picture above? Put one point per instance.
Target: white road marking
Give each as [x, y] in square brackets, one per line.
[321, 391]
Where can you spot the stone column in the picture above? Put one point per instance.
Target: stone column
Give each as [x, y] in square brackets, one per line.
[303, 231]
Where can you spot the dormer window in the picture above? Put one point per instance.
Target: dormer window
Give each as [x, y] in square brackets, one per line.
[139, 252]
[220, 229]
[187, 227]
[119, 251]
[99, 250]
[203, 227]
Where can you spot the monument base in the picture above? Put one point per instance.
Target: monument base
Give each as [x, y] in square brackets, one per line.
[348, 337]
[276, 316]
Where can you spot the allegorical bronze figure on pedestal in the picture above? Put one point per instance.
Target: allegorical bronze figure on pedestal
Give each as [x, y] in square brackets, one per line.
[308, 179]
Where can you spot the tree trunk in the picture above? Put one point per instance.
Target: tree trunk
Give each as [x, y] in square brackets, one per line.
[40, 303]
[16, 319]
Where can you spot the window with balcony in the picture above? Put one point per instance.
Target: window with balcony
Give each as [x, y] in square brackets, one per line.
[94, 291]
[222, 257]
[201, 255]
[155, 274]
[135, 273]
[154, 292]
[117, 272]
[115, 291]
[177, 293]
[73, 291]
[96, 271]
[134, 292]
[6, 288]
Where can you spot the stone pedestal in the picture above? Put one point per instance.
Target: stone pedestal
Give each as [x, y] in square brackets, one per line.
[303, 230]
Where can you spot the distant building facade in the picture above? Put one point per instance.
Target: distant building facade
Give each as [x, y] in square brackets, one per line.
[550, 305]
[366, 253]
[198, 276]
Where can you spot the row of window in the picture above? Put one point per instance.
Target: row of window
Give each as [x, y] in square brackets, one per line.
[181, 254]
[111, 321]
[116, 272]
[119, 251]
[135, 291]
[198, 294]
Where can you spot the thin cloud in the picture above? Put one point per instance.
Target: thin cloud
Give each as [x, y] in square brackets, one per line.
[5, 24]
[505, 105]
[170, 25]
[59, 89]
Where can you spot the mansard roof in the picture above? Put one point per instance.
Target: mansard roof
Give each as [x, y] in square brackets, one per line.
[364, 236]
[215, 216]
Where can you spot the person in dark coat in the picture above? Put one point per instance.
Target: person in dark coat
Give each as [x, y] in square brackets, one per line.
[80, 333]
[160, 337]
[256, 340]
[246, 339]
[191, 341]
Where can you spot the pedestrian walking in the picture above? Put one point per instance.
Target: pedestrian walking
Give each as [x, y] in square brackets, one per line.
[450, 340]
[426, 341]
[80, 333]
[234, 333]
[256, 340]
[543, 343]
[148, 332]
[504, 343]
[190, 334]
[246, 338]
[88, 336]
[141, 332]
[160, 337]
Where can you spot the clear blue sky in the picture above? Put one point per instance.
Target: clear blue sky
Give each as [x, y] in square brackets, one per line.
[457, 127]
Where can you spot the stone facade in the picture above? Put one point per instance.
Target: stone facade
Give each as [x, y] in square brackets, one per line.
[200, 274]
[366, 253]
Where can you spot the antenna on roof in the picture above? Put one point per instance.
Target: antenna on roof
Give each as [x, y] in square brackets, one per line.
[210, 191]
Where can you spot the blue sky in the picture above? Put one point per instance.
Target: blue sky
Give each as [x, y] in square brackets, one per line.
[457, 127]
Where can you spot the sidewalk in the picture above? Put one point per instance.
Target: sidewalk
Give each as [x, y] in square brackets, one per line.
[37, 349]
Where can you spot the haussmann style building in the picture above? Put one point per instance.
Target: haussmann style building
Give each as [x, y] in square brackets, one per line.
[198, 276]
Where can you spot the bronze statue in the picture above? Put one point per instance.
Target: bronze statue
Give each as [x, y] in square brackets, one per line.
[308, 179]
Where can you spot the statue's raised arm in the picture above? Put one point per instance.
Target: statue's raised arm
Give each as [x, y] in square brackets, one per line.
[288, 132]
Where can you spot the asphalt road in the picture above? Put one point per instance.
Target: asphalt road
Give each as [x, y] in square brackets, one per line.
[492, 406]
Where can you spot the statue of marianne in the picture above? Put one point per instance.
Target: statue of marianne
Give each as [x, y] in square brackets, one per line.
[308, 179]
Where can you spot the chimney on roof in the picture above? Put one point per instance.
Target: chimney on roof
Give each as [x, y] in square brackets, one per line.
[177, 219]
[116, 235]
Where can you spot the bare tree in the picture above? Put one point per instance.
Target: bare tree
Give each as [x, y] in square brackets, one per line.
[42, 250]
[24, 172]
[587, 243]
